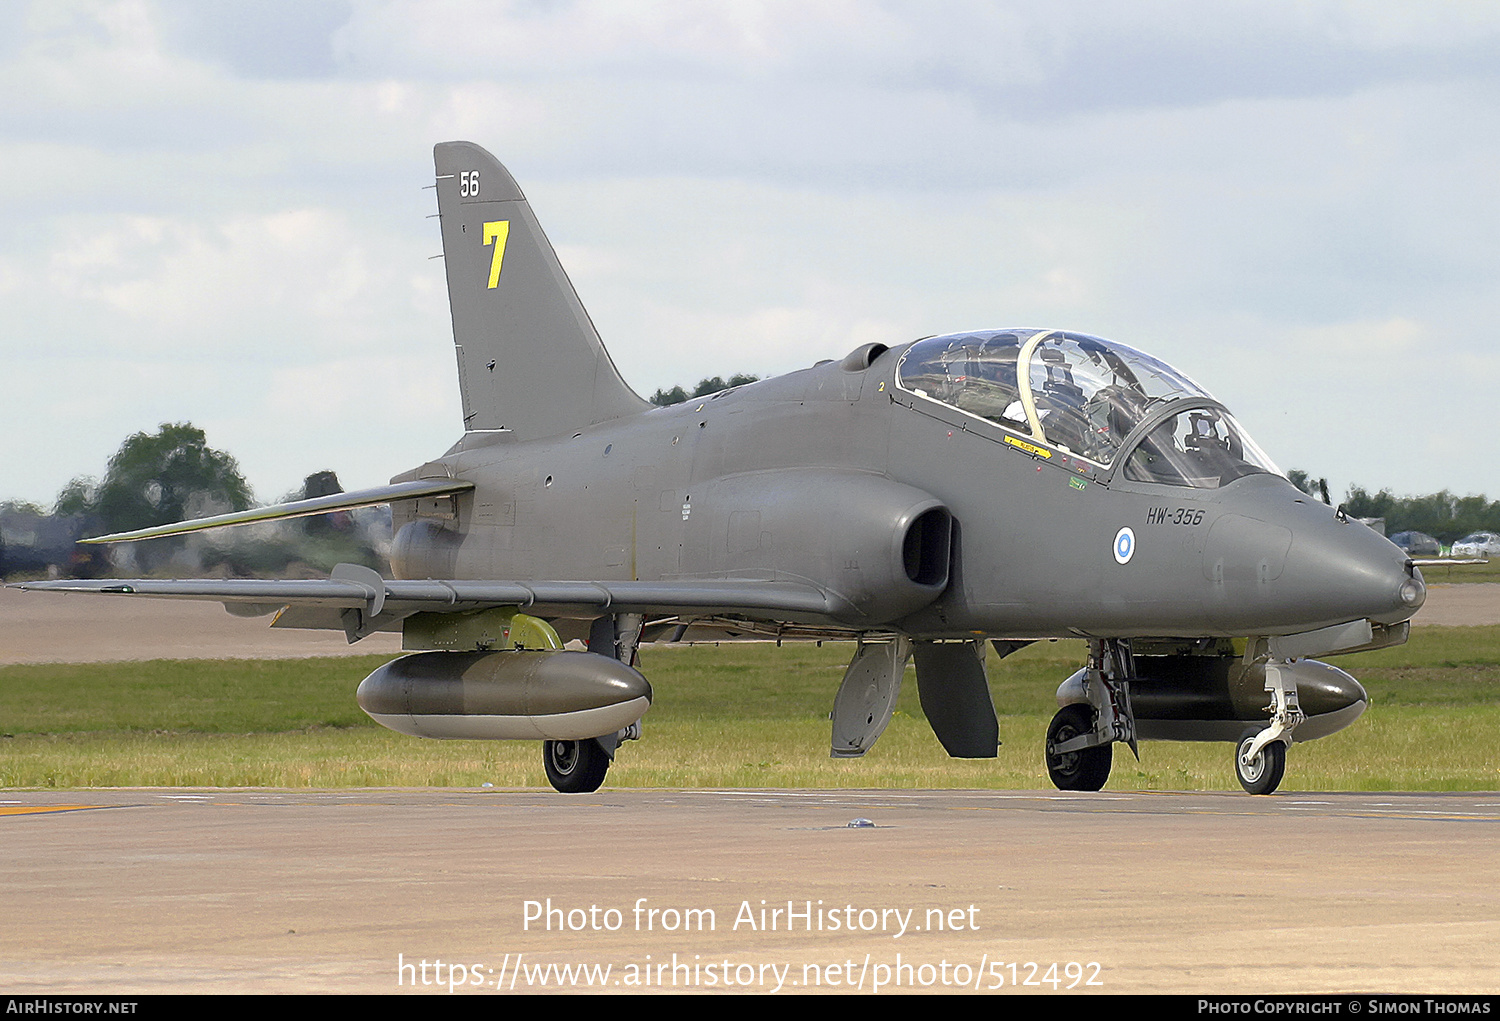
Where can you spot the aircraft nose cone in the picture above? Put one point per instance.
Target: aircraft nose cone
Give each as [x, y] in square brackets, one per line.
[1356, 573]
[1275, 560]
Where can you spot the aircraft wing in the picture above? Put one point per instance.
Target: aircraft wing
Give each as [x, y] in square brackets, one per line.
[379, 603]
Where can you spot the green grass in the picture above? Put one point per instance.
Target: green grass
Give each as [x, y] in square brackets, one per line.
[727, 716]
[200, 696]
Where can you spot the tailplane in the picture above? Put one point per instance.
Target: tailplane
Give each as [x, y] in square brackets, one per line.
[529, 358]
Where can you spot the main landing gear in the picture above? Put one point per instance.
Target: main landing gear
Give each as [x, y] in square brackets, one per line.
[575, 767]
[579, 767]
[1080, 740]
[1082, 767]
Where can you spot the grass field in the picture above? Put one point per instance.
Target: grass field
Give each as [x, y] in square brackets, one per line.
[728, 716]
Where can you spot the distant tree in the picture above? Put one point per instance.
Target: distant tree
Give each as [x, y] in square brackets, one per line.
[1309, 485]
[157, 480]
[1441, 515]
[666, 398]
[76, 498]
[705, 387]
[9, 511]
[31, 540]
[22, 507]
[323, 483]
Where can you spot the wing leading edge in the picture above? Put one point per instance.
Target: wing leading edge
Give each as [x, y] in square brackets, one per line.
[383, 603]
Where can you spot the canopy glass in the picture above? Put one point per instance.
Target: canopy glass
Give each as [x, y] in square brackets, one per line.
[1084, 395]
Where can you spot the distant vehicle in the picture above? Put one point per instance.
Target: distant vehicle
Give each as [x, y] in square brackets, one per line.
[1480, 544]
[1419, 544]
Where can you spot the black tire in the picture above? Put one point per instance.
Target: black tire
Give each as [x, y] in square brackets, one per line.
[1264, 775]
[575, 767]
[1085, 770]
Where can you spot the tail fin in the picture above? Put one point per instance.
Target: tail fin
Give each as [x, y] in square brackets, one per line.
[529, 359]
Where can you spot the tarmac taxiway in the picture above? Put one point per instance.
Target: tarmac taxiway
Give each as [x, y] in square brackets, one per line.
[380, 891]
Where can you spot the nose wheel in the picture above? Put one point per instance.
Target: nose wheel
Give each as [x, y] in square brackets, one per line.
[1260, 772]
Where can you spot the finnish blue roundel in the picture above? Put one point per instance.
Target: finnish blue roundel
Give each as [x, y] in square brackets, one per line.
[1124, 545]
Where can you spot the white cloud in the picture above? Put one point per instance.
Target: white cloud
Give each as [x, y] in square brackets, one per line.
[281, 286]
[210, 213]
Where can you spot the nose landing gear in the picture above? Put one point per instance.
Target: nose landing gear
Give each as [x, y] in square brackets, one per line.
[1260, 759]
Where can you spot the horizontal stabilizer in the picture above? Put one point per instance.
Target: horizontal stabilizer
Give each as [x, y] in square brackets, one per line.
[300, 508]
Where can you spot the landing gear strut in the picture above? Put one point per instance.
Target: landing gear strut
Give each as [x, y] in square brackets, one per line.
[579, 767]
[1260, 759]
[1080, 740]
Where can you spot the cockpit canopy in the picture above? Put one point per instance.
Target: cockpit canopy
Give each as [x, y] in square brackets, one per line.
[1085, 396]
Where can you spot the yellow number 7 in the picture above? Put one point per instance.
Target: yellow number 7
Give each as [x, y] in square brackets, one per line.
[496, 232]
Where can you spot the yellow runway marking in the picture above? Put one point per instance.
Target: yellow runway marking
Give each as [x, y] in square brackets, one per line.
[38, 809]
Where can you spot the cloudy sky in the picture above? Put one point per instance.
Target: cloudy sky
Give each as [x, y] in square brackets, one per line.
[213, 211]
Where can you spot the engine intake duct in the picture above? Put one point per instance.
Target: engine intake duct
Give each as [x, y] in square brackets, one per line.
[924, 550]
[880, 547]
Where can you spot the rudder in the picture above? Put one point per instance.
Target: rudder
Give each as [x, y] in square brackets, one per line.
[529, 358]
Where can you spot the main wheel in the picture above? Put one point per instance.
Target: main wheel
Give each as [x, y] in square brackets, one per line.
[1263, 774]
[575, 767]
[1083, 770]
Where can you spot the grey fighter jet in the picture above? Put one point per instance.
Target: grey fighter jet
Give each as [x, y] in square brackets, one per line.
[916, 500]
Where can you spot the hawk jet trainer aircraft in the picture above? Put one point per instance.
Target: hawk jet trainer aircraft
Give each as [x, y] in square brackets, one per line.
[917, 500]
